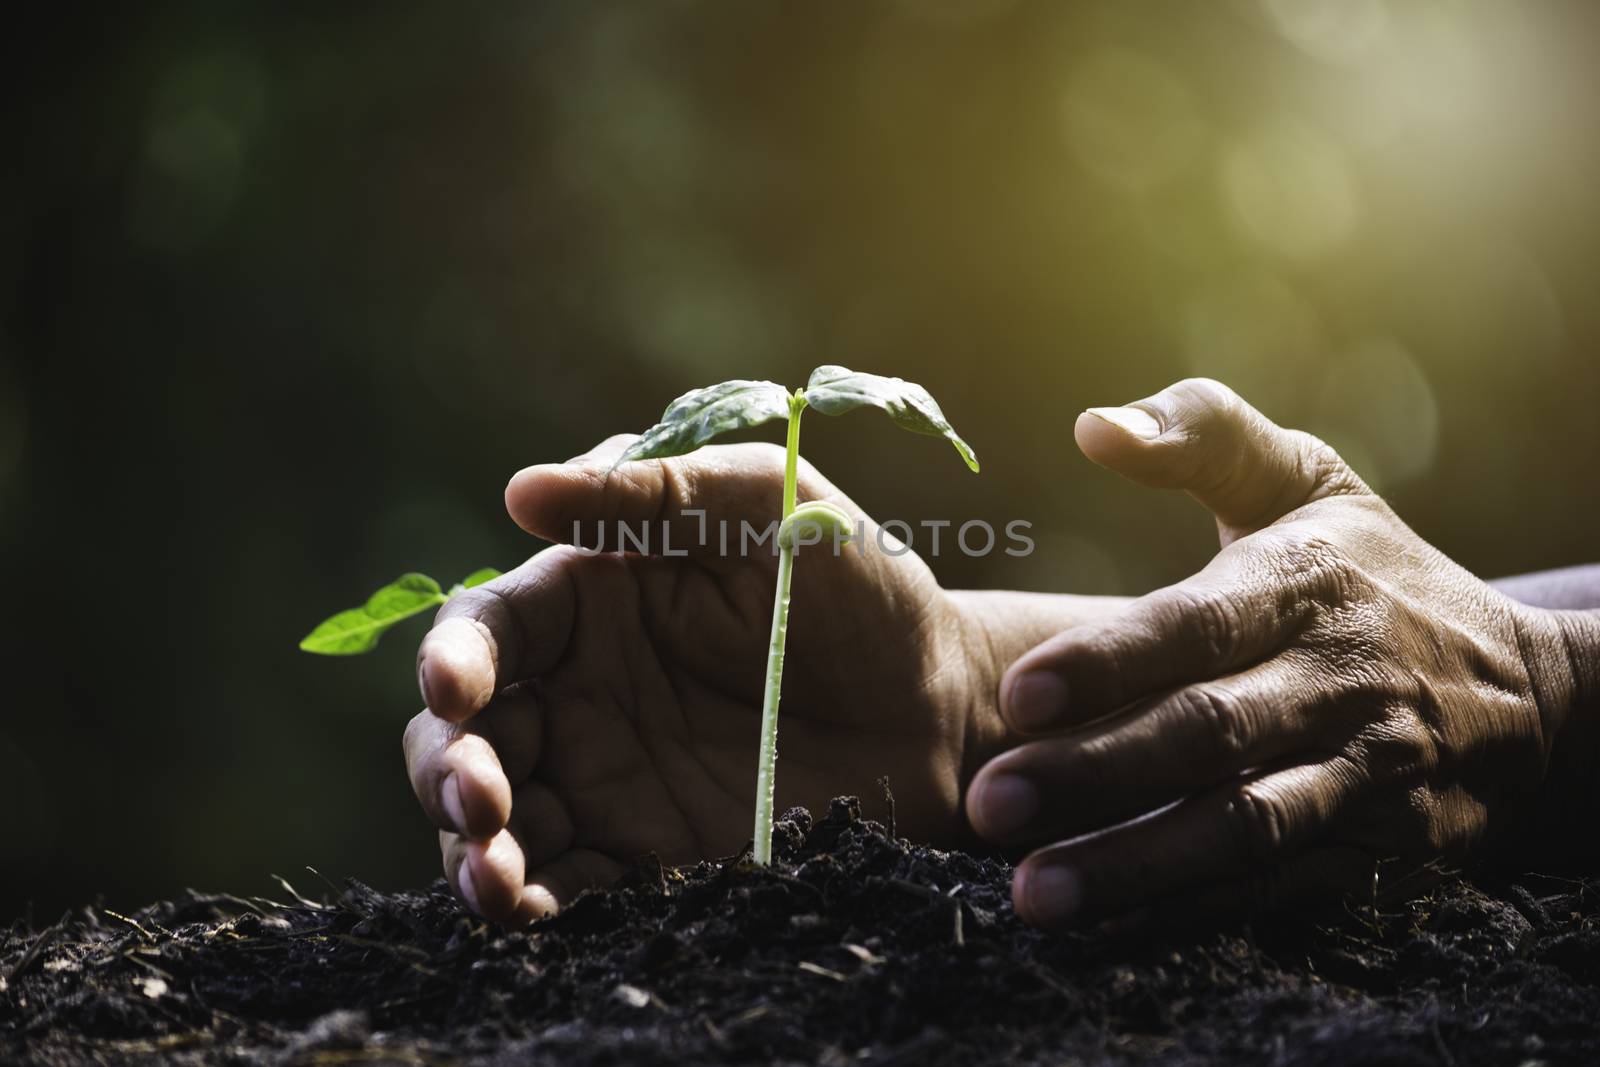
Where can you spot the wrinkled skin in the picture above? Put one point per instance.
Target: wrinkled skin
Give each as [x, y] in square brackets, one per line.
[1329, 692]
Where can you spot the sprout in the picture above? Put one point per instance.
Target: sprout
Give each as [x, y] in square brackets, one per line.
[698, 416]
[690, 421]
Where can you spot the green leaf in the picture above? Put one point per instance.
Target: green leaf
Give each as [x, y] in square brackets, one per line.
[701, 414]
[836, 390]
[358, 629]
[479, 576]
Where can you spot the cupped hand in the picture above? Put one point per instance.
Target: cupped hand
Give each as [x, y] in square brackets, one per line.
[586, 708]
[1329, 692]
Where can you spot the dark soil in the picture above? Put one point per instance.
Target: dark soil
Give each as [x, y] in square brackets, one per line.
[857, 948]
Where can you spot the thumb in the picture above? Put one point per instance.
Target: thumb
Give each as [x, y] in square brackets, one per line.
[697, 504]
[1198, 435]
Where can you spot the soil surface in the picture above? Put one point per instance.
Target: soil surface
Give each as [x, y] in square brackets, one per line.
[855, 948]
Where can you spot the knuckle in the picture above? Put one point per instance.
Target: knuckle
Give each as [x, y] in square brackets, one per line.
[677, 487]
[1440, 820]
[1314, 567]
[1213, 619]
[469, 745]
[1399, 745]
[1311, 552]
[1106, 656]
[488, 608]
[1090, 767]
[1224, 726]
[472, 603]
[1257, 823]
[1297, 550]
[1323, 467]
[622, 488]
[427, 739]
[1204, 409]
[412, 741]
[1208, 392]
[542, 567]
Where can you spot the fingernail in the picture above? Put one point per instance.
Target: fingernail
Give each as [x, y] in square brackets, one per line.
[1037, 700]
[1007, 803]
[468, 891]
[1131, 420]
[450, 800]
[1053, 894]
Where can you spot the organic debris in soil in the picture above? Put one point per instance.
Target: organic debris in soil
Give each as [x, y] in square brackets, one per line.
[855, 948]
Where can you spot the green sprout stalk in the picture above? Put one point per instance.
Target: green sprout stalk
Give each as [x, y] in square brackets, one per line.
[772, 691]
[820, 519]
[702, 414]
[689, 422]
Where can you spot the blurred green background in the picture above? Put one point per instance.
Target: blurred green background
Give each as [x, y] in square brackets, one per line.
[291, 291]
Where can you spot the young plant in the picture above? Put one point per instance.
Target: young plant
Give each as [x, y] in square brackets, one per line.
[698, 416]
[689, 422]
[357, 630]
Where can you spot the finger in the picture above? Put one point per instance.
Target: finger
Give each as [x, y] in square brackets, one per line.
[1319, 877]
[1200, 436]
[463, 775]
[507, 630]
[606, 452]
[1153, 753]
[487, 875]
[466, 869]
[558, 882]
[457, 777]
[535, 903]
[1227, 833]
[694, 504]
[1243, 607]
[540, 822]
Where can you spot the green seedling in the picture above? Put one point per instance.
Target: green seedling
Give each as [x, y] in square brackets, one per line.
[698, 416]
[690, 421]
[357, 630]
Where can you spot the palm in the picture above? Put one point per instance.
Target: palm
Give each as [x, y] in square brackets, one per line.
[654, 711]
[587, 708]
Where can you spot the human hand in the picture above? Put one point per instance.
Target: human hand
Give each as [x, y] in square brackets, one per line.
[586, 708]
[1328, 692]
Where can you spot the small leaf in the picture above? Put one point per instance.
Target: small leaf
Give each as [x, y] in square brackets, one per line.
[479, 576]
[701, 414]
[836, 390]
[358, 629]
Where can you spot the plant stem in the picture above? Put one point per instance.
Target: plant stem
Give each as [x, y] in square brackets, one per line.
[767, 756]
[791, 459]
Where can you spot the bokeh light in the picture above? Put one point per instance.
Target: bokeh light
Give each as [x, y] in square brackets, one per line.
[1130, 121]
[1255, 332]
[1345, 32]
[1291, 189]
[1377, 408]
[196, 134]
